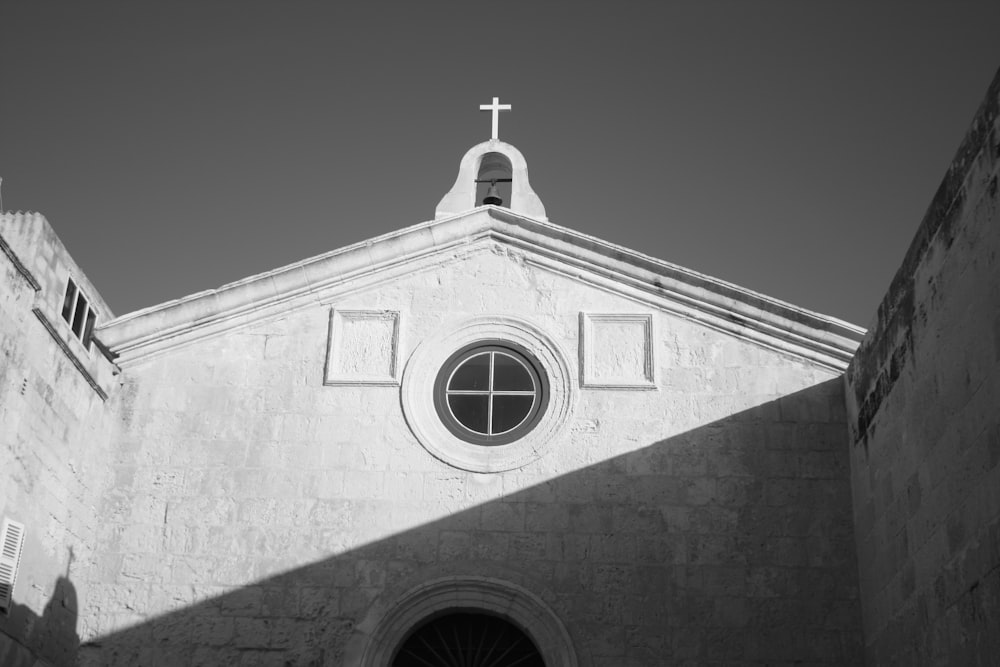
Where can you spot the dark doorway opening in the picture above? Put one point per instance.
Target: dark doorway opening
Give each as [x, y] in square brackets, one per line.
[467, 639]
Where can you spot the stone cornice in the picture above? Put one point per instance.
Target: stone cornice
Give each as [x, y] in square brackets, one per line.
[54, 333]
[19, 265]
[723, 306]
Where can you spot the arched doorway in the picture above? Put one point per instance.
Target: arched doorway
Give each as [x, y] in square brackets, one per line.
[467, 639]
[478, 604]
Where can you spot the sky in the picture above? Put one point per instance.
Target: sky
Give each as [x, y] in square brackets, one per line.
[789, 147]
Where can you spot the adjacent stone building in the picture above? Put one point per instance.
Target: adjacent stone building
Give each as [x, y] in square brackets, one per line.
[489, 439]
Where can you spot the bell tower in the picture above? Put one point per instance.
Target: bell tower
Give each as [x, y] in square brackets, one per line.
[492, 173]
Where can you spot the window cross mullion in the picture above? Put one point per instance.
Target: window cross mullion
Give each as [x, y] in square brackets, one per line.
[511, 409]
[489, 407]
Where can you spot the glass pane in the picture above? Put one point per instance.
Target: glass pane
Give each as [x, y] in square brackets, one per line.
[509, 411]
[473, 374]
[471, 411]
[509, 374]
[89, 330]
[67, 311]
[79, 315]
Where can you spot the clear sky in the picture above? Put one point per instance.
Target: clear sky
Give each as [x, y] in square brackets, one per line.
[789, 147]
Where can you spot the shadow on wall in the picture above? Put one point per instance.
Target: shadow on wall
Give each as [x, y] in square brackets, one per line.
[50, 637]
[731, 543]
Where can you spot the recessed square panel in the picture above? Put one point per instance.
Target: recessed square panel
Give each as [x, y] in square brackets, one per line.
[363, 347]
[617, 350]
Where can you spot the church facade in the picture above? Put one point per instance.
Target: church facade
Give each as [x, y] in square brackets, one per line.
[489, 439]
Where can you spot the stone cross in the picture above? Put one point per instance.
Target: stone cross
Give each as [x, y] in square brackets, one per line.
[496, 108]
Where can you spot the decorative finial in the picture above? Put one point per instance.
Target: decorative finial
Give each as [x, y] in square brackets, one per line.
[496, 108]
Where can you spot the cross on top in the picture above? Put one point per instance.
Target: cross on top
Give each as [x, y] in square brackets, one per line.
[496, 108]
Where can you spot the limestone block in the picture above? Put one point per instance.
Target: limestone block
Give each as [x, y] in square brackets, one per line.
[504, 516]
[527, 547]
[245, 602]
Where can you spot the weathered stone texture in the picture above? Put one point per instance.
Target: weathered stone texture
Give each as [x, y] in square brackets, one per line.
[54, 436]
[256, 514]
[254, 489]
[922, 393]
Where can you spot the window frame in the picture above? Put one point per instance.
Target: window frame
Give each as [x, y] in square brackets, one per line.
[466, 353]
[78, 314]
[430, 354]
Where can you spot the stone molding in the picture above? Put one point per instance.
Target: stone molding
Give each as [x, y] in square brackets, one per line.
[592, 373]
[371, 360]
[71, 354]
[823, 340]
[19, 265]
[418, 394]
[378, 636]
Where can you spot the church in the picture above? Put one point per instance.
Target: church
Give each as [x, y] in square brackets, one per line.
[490, 440]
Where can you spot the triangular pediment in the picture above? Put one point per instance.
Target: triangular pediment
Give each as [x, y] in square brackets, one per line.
[323, 279]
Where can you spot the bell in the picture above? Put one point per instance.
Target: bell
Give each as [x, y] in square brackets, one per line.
[493, 196]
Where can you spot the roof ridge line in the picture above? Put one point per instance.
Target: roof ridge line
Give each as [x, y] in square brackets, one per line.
[656, 278]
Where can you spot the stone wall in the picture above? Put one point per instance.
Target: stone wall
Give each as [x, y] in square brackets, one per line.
[265, 509]
[923, 393]
[54, 435]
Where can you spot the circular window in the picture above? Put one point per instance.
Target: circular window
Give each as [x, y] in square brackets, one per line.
[468, 640]
[490, 393]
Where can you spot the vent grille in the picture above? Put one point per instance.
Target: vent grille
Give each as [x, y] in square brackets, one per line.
[11, 541]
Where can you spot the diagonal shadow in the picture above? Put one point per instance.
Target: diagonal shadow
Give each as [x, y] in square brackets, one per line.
[730, 543]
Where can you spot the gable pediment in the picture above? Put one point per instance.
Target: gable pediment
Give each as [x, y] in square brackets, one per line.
[325, 278]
